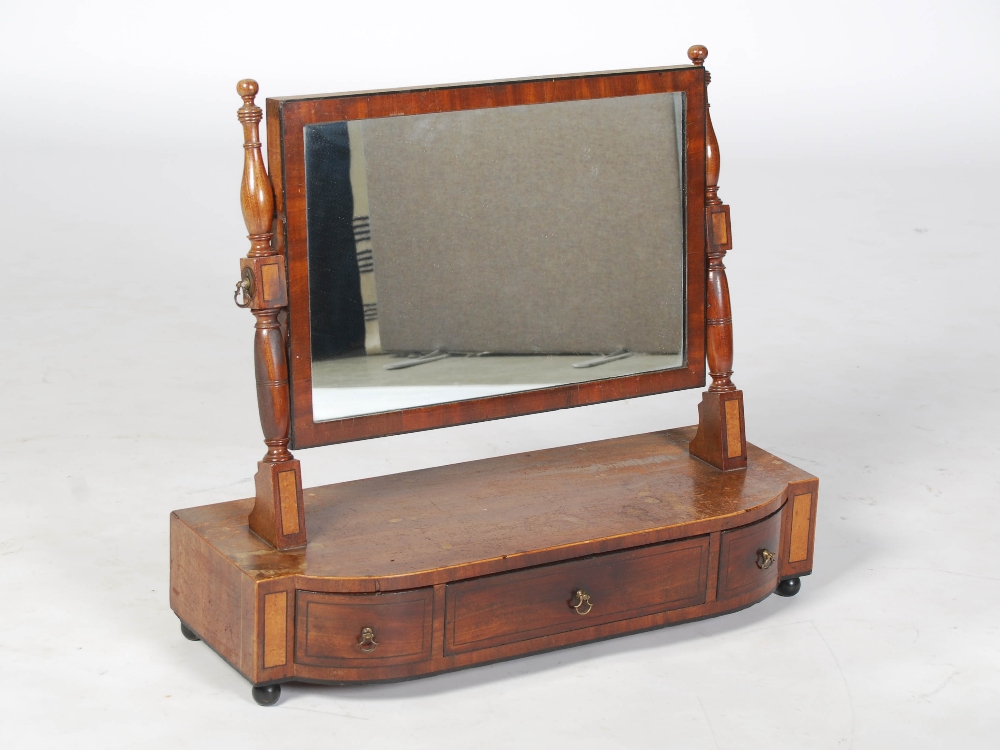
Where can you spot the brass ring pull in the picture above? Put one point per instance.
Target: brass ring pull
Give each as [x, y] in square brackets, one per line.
[581, 599]
[367, 639]
[244, 286]
[765, 559]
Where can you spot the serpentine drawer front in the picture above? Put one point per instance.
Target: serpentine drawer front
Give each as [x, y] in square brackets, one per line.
[354, 630]
[511, 607]
[749, 558]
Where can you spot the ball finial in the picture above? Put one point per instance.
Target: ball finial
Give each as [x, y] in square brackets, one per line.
[247, 88]
[697, 54]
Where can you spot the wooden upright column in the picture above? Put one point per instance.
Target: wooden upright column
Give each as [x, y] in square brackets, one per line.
[721, 437]
[278, 515]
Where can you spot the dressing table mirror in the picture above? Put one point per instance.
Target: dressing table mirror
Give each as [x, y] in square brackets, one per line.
[437, 256]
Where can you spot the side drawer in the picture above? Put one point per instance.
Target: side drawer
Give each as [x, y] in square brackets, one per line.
[330, 629]
[743, 565]
[512, 607]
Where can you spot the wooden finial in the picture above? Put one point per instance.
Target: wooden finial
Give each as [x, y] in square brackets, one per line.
[256, 196]
[696, 54]
[721, 437]
[249, 113]
[248, 88]
[278, 515]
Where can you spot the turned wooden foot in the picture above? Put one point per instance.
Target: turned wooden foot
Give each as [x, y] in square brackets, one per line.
[789, 587]
[188, 633]
[266, 695]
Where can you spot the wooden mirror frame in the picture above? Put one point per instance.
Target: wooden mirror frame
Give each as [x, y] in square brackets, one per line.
[501, 557]
[286, 119]
[275, 280]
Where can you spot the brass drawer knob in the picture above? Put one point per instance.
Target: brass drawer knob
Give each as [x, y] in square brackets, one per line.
[581, 602]
[765, 559]
[367, 642]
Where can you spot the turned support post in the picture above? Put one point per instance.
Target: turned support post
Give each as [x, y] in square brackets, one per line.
[721, 436]
[278, 515]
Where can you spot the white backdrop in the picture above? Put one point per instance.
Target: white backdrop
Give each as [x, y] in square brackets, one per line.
[858, 141]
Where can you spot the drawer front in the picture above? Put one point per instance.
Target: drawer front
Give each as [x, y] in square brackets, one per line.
[353, 630]
[743, 567]
[512, 607]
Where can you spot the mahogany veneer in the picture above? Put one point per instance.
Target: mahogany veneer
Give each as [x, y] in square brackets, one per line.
[475, 562]
[444, 568]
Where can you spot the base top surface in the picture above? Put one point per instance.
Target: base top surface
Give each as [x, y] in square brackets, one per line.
[435, 525]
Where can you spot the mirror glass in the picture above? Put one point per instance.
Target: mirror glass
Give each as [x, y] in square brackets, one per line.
[465, 254]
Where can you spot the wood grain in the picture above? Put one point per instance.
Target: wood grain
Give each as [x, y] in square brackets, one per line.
[721, 439]
[328, 628]
[438, 525]
[271, 282]
[274, 514]
[287, 498]
[716, 442]
[801, 518]
[288, 172]
[423, 533]
[207, 592]
[720, 232]
[808, 491]
[267, 302]
[275, 633]
[528, 604]
[714, 545]
[734, 444]
[739, 573]
[472, 563]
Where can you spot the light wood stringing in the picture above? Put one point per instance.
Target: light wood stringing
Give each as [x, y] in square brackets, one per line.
[734, 445]
[275, 630]
[287, 500]
[719, 233]
[432, 526]
[801, 517]
[329, 626]
[272, 282]
[288, 117]
[528, 604]
[739, 573]
[384, 534]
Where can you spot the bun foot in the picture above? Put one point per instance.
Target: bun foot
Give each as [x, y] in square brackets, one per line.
[188, 633]
[789, 587]
[266, 695]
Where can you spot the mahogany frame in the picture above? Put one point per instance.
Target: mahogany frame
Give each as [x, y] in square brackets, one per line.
[248, 596]
[276, 222]
[286, 120]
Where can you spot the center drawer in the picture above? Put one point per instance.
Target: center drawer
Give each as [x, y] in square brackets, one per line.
[511, 607]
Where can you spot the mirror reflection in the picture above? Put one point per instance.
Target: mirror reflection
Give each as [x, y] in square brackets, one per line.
[465, 254]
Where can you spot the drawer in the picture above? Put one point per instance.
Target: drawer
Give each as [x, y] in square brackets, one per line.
[743, 567]
[330, 629]
[512, 607]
